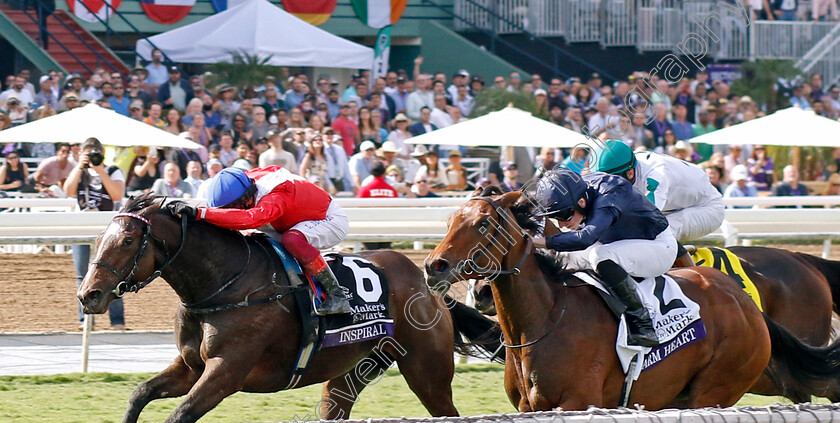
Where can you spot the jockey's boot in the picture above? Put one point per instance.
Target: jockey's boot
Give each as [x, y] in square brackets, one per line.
[336, 302]
[683, 257]
[623, 286]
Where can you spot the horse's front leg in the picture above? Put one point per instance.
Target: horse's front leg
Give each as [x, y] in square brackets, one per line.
[174, 381]
[222, 377]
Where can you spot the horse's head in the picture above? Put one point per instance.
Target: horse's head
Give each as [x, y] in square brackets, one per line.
[126, 253]
[480, 236]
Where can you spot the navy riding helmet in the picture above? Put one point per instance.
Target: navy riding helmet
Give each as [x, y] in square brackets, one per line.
[558, 193]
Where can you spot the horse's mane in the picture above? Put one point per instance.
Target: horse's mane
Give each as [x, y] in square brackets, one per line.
[141, 202]
[523, 212]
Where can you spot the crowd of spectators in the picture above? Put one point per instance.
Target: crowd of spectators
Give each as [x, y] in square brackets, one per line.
[358, 138]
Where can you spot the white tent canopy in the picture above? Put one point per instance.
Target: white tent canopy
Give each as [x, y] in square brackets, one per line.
[792, 127]
[257, 27]
[108, 126]
[509, 127]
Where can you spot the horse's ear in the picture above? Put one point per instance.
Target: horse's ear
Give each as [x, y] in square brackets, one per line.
[507, 200]
[478, 191]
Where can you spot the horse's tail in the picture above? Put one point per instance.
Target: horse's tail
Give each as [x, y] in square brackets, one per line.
[831, 270]
[791, 360]
[483, 333]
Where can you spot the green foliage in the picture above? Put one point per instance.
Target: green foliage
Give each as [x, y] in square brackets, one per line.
[244, 70]
[759, 82]
[494, 99]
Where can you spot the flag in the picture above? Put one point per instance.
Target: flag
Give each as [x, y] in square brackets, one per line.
[167, 11]
[222, 5]
[379, 13]
[98, 7]
[316, 12]
[381, 52]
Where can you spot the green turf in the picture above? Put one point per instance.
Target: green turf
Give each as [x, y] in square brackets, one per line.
[102, 397]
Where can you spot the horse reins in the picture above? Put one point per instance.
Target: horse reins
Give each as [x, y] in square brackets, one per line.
[516, 270]
[124, 286]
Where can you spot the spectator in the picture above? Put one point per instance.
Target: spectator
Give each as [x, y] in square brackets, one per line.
[463, 100]
[156, 71]
[135, 91]
[13, 173]
[739, 186]
[18, 114]
[338, 169]
[96, 188]
[214, 166]
[799, 98]
[400, 96]
[226, 153]
[212, 118]
[243, 151]
[822, 10]
[46, 95]
[367, 130]
[833, 187]
[294, 95]
[175, 92]
[155, 110]
[683, 151]
[56, 169]
[202, 134]
[238, 128]
[276, 155]
[315, 165]
[431, 171]
[194, 178]
[119, 102]
[424, 125]
[439, 116]
[260, 126]
[659, 124]
[421, 189]
[270, 100]
[145, 172]
[456, 174]
[761, 169]
[173, 122]
[546, 160]
[171, 185]
[732, 159]
[225, 106]
[682, 128]
[361, 164]
[18, 90]
[377, 187]
[421, 98]
[509, 182]
[790, 185]
[785, 10]
[715, 176]
[135, 110]
[348, 129]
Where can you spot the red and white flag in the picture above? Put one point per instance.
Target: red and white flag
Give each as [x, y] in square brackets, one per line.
[94, 8]
[167, 11]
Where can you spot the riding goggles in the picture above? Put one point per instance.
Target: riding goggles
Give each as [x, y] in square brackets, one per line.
[563, 215]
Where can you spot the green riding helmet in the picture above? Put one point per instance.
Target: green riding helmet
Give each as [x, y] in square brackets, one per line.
[616, 158]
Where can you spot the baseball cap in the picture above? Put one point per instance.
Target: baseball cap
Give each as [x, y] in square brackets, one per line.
[739, 173]
[595, 76]
[389, 147]
[136, 104]
[212, 162]
[454, 153]
[401, 117]
[463, 72]
[539, 91]
[174, 69]
[509, 165]
[43, 79]
[367, 145]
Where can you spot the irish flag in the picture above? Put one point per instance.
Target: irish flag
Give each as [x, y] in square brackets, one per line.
[316, 12]
[379, 13]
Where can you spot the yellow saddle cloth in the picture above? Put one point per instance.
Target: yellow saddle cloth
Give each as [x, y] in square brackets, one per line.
[727, 262]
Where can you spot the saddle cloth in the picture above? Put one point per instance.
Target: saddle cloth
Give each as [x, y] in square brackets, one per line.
[366, 289]
[676, 319]
[727, 262]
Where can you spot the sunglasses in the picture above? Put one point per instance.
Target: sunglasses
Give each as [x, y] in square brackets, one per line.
[12, 157]
[119, 87]
[563, 215]
[422, 182]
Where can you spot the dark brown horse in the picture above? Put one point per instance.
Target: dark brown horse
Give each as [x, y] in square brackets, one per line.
[253, 349]
[561, 335]
[797, 290]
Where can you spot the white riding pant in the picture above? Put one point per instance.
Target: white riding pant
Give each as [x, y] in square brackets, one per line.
[696, 222]
[325, 233]
[643, 258]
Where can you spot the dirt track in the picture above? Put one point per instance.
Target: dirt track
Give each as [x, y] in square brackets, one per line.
[37, 293]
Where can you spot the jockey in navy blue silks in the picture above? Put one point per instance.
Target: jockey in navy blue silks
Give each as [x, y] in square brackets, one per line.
[614, 230]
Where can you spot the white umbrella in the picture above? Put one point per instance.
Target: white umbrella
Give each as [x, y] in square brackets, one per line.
[792, 127]
[108, 126]
[509, 127]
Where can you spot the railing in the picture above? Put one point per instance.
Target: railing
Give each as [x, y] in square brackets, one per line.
[651, 25]
[498, 13]
[824, 57]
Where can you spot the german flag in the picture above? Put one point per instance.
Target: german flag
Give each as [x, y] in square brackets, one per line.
[315, 12]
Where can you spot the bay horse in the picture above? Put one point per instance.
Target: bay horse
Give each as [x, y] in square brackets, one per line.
[797, 290]
[561, 336]
[254, 348]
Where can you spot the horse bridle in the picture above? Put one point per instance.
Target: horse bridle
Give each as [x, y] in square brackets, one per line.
[126, 284]
[529, 242]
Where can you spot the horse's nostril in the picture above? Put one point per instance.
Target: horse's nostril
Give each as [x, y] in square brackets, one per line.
[440, 265]
[93, 296]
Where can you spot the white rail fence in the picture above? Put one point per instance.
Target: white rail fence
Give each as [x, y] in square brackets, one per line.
[418, 220]
[800, 413]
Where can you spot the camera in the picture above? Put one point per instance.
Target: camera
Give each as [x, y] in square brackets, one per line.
[96, 157]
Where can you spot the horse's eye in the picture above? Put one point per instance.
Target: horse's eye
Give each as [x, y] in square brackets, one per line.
[484, 223]
[128, 241]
